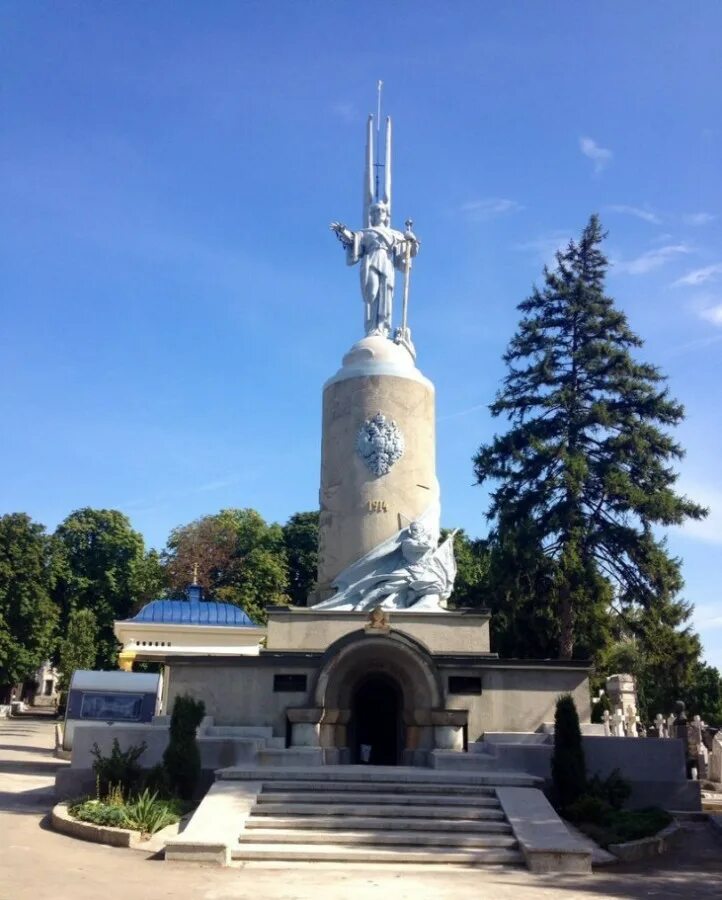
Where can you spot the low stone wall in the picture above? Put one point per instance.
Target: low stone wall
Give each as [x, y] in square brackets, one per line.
[654, 768]
[649, 847]
[62, 821]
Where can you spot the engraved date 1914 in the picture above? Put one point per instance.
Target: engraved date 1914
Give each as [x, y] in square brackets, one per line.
[376, 506]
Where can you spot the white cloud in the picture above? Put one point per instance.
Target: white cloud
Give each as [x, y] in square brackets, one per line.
[699, 276]
[699, 218]
[712, 314]
[478, 210]
[645, 214]
[652, 259]
[600, 156]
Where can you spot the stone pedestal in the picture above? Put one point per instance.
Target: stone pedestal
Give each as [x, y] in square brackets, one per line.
[361, 507]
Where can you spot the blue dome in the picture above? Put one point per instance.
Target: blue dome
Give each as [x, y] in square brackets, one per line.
[193, 612]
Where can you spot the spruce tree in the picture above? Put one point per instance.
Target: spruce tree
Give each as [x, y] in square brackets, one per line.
[587, 466]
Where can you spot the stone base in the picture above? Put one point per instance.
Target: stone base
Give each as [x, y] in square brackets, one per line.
[451, 631]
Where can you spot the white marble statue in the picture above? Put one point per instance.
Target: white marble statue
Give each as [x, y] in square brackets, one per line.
[409, 569]
[379, 248]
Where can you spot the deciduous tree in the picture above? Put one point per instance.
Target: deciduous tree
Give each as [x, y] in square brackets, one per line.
[99, 557]
[241, 559]
[28, 616]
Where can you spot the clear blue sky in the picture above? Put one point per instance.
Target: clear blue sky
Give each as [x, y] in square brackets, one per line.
[172, 299]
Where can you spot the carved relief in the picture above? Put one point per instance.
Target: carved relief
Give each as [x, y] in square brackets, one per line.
[380, 444]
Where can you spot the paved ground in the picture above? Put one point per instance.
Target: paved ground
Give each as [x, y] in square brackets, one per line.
[38, 864]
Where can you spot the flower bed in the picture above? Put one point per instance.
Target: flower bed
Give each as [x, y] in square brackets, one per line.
[145, 813]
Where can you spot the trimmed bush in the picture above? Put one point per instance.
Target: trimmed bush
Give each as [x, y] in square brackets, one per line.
[569, 774]
[120, 770]
[182, 759]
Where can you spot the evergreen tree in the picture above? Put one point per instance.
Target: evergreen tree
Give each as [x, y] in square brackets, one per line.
[587, 466]
[569, 773]
[28, 616]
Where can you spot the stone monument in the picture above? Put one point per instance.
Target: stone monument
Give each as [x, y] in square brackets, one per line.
[379, 498]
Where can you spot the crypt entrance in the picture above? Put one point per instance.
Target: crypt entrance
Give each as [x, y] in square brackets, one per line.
[376, 730]
[377, 695]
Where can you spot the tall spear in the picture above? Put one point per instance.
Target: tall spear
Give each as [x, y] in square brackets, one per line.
[407, 280]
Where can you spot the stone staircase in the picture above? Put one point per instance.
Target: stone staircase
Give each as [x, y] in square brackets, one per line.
[355, 818]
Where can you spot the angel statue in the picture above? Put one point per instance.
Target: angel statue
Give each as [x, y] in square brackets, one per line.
[409, 569]
[379, 248]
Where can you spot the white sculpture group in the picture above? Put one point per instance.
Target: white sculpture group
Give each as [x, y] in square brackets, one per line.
[408, 569]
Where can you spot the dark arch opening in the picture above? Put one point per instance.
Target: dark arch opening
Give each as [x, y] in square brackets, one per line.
[376, 721]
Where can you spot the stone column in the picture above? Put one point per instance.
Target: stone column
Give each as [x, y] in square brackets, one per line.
[362, 506]
[305, 726]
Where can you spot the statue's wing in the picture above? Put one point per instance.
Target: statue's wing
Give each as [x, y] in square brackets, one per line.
[442, 565]
[382, 559]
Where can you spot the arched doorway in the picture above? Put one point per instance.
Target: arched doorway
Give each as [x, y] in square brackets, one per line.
[366, 682]
[376, 726]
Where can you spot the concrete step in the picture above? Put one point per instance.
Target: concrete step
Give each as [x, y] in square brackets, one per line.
[291, 757]
[339, 853]
[393, 838]
[379, 810]
[239, 731]
[391, 775]
[371, 787]
[450, 760]
[367, 797]
[376, 823]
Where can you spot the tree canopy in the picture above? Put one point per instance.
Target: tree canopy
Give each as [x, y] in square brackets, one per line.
[241, 559]
[28, 616]
[99, 559]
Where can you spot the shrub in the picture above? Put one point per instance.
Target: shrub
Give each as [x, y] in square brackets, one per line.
[568, 768]
[121, 769]
[613, 789]
[588, 808]
[182, 759]
[156, 781]
[631, 825]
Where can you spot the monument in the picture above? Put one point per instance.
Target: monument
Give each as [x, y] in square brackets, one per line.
[379, 657]
[379, 497]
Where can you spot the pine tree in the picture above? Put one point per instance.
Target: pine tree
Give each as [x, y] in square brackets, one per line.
[587, 465]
